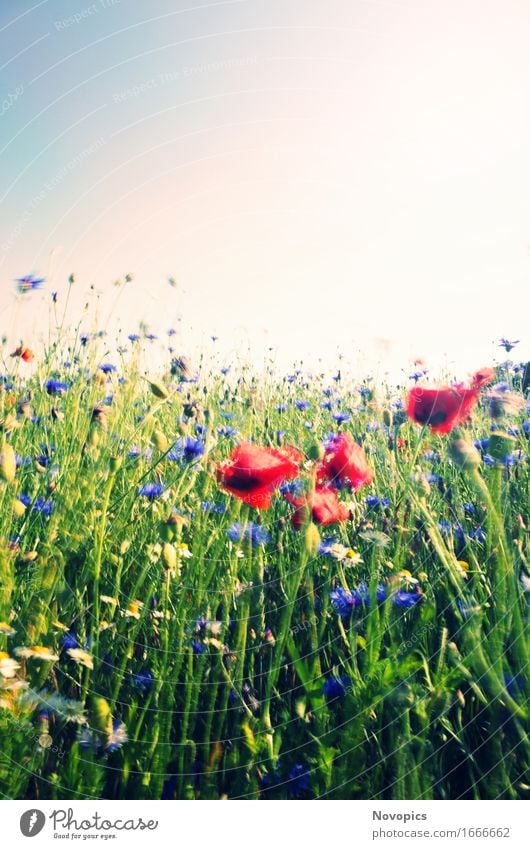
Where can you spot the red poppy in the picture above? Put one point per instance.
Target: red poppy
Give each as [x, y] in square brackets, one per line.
[344, 463]
[482, 377]
[252, 473]
[324, 505]
[442, 407]
[25, 354]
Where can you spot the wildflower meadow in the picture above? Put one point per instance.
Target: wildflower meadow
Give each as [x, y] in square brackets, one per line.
[227, 583]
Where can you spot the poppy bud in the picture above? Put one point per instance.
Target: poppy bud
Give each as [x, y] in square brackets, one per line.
[18, 507]
[315, 451]
[93, 437]
[464, 454]
[387, 417]
[8, 463]
[25, 410]
[500, 445]
[157, 388]
[99, 417]
[168, 529]
[100, 716]
[115, 464]
[159, 440]
[312, 539]
[169, 556]
[505, 404]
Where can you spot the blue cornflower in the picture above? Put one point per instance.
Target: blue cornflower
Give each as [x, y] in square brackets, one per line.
[300, 404]
[478, 534]
[469, 509]
[375, 502]
[507, 344]
[488, 460]
[432, 456]
[143, 680]
[282, 408]
[133, 337]
[515, 685]
[69, 641]
[151, 490]
[107, 368]
[117, 737]
[334, 687]
[29, 283]
[297, 488]
[327, 405]
[343, 601]
[526, 427]
[212, 507]
[402, 598]
[341, 417]
[55, 387]
[187, 450]
[227, 432]
[249, 532]
[25, 499]
[298, 780]
[198, 648]
[43, 505]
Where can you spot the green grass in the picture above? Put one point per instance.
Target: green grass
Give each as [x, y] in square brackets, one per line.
[434, 703]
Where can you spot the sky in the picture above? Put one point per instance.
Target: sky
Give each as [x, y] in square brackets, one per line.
[348, 176]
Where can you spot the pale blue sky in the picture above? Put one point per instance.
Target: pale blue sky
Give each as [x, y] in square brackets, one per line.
[318, 176]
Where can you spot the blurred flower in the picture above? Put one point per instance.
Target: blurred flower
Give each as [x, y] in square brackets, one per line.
[151, 490]
[8, 666]
[503, 404]
[37, 653]
[25, 354]
[442, 408]
[252, 473]
[187, 450]
[344, 463]
[334, 687]
[82, 657]
[142, 681]
[507, 345]
[255, 534]
[323, 506]
[55, 387]
[298, 781]
[29, 283]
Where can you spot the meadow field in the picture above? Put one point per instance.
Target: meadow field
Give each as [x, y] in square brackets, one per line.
[225, 584]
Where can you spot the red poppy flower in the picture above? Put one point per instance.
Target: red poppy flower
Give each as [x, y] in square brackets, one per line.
[324, 505]
[25, 354]
[344, 463]
[482, 377]
[252, 473]
[442, 408]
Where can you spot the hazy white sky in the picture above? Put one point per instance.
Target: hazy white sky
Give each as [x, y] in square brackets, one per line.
[318, 176]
